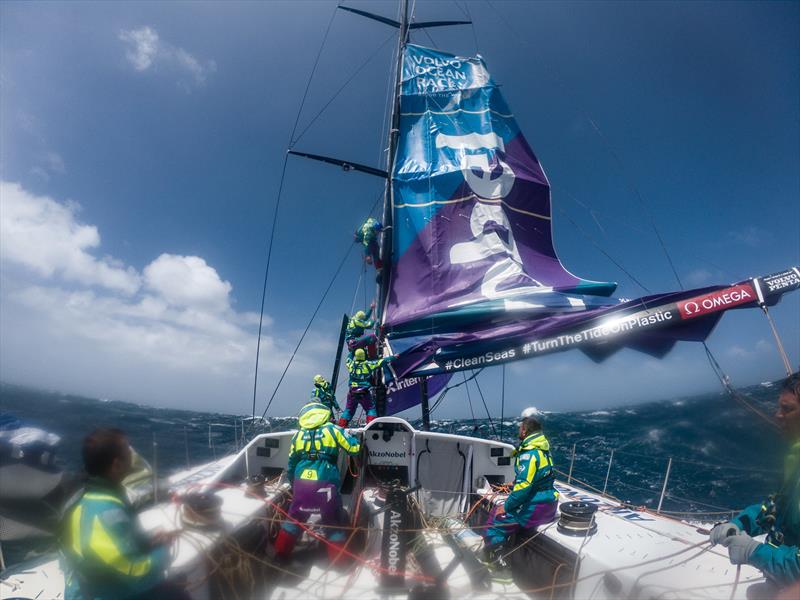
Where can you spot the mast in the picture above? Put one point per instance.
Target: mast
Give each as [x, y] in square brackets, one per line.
[388, 197]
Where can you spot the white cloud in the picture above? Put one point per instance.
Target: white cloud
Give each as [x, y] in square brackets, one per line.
[142, 47]
[699, 277]
[187, 281]
[749, 236]
[89, 325]
[45, 236]
[146, 50]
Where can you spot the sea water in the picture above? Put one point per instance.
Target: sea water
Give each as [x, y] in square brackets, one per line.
[724, 457]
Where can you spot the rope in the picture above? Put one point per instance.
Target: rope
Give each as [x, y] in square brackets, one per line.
[308, 326]
[786, 364]
[503, 401]
[726, 384]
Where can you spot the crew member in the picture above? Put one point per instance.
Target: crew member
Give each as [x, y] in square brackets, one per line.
[533, 499]
[779, 515]
[356, 335]
[367, 234]
[324, 394]
[314, 477]
[104, 554]
[361, 381]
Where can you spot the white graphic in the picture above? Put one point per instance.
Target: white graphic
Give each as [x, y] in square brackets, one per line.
[490, 243]
[326, 491]
[475, 149]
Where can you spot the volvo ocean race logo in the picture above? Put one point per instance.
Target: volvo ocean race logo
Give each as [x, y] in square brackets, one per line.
[491, 178]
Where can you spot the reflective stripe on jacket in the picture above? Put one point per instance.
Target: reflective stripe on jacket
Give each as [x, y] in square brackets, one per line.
[534, 474]
[106, 556]
[314, 449]
[356, 327]
[361, 371]
[324, 395]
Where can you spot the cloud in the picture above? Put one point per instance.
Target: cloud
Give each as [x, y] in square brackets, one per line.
[46, 237]
[187, 281]
[699, 277]
[92, 325]
[749, 236]
[146, 50]
[142, 47]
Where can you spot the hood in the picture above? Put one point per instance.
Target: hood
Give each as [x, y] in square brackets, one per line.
[535, 441]
[314, 415]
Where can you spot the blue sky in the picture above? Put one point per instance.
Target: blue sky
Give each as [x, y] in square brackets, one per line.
[141, 146]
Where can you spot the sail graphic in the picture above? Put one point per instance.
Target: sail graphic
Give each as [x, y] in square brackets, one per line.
[475, 279]
[472, 225]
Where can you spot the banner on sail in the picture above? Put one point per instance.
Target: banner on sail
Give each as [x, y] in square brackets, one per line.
[472, 222]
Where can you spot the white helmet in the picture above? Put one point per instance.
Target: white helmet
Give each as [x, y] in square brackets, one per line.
[531, 411]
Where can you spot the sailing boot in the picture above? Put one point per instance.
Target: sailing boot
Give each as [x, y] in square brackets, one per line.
[284, 544]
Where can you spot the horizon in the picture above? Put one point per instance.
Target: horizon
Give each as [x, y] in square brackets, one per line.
[142, 146]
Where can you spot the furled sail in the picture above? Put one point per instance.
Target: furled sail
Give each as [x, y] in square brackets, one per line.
[475, 279]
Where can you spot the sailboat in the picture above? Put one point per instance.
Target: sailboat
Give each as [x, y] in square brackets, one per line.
[470, 280]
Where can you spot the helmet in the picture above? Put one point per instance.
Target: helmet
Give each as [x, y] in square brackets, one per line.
[359, 354]
[360, 315]
[319, 380]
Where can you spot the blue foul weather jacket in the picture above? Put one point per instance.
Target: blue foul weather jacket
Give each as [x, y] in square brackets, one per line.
[779, 557]
[105, 556]
[533, 483]
[314, 449]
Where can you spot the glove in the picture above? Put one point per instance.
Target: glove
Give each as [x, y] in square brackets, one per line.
[721, 531]
[740, 547]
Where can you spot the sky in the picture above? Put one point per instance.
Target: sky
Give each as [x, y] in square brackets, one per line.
[142, 145]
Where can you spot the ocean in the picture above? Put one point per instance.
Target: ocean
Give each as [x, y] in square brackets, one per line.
[723, 456]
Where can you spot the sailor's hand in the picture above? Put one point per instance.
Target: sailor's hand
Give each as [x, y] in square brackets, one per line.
[499, 510]
[722, 531]
[740, 547]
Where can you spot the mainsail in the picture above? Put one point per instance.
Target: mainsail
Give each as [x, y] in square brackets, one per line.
[475, 279]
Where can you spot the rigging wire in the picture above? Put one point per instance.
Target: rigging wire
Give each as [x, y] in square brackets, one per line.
[372, 57]
[277, 207]
[488, 414]
[308, 326]
[443, 393]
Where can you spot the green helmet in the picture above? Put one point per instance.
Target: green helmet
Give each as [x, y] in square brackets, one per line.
[360, 315]
[319, 380]
[359, 354]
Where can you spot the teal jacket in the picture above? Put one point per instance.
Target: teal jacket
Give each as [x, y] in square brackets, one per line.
[314, 449]
[533, 483]
[356, 327]
[104, 554]
[368, 231]
[361, 371]
[780, 561]
[324, 395]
